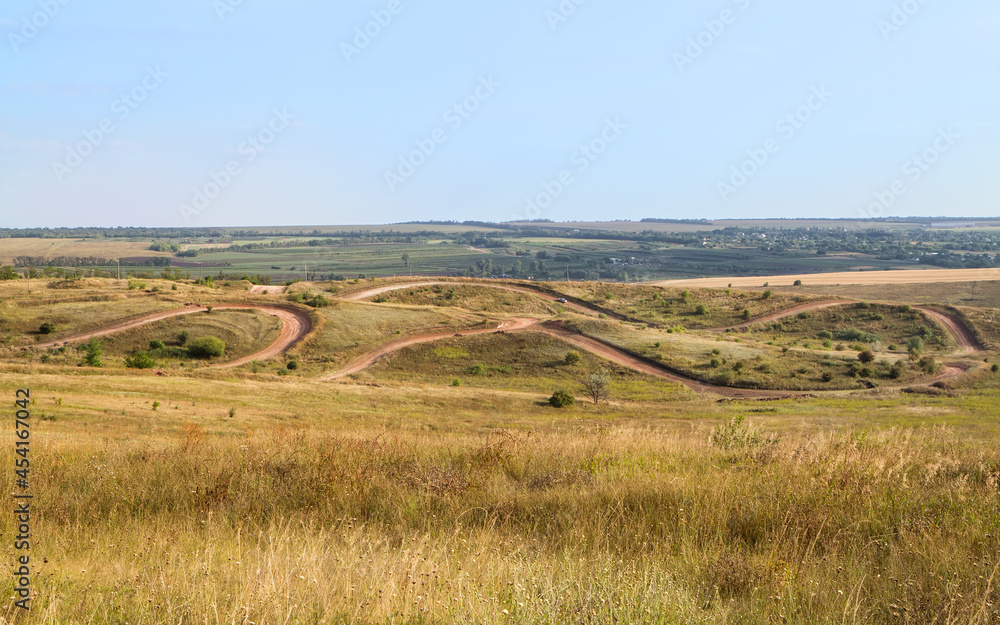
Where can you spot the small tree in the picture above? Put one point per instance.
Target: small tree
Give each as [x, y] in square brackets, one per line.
[597, 386]
[93, 353]
[207, 347]
[746, 314]
[561, 399]
[572, 358]
[701, 310]
[866, 357]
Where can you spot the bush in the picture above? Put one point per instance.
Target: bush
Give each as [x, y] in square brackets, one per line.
[572, 358]
[827, 376]
[825, 334]
[47, 328]
[292, 365]
[746, 314]
[797, 283]
[866, 357]
[140, 360]
[561, 399]
[155, 344]
[456, 382]
[319, 302]
[207, 347]
[995, 368]
[768, 294]
[183, 337]
[701, 310]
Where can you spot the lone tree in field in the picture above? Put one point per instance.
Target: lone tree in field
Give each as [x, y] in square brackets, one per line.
[207, 347]
[406, 260]
[866, 357]
[597, 386]
[92, 357]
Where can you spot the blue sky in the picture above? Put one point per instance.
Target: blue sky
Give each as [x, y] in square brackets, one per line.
[262, 112]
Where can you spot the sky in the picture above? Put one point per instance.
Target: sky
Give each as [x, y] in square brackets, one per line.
[297, 112]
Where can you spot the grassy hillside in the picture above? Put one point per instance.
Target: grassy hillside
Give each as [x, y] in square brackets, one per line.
[529, 362]
[669, 306]
[339, 503]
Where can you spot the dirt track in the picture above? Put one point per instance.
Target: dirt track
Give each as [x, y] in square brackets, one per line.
[363, 362]
[903, 276]
[505, 287]
[962, 336]
[295, 325]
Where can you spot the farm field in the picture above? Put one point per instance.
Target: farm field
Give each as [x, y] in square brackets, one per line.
[440, 484]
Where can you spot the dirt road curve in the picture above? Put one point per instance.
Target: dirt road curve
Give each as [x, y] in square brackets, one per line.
[967, 342]
[363, 362]
[261, 289]
[904, 276]
[615, 355]
[295, 325]
[505, 287]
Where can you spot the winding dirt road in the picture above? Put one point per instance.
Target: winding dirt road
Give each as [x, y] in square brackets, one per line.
[363, 362]
[295, 325]
[962, 335]
[359, 295]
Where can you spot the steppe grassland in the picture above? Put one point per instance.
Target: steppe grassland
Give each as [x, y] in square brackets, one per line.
[252, 497]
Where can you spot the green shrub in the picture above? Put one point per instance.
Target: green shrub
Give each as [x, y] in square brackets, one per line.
[572, 358]
[207, 347]
[141, 360]
[155, 344]
[47, 328]
[456, 382]
[995, 368]
[292, 365]
[768, 294]
[701, 310]
[866, 357]
[561, 399]
[825, 334]
[183, 337]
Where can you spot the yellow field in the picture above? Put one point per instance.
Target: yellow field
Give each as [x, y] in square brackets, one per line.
[52, 248]
[906, 276]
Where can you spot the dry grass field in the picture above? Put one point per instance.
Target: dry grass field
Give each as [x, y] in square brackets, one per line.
[393, 496]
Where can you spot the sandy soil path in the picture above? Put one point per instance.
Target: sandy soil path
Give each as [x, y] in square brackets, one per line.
[903, 276]
[363, 362]
[967, 342]
[295, 325]
[505, 287]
